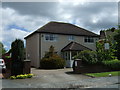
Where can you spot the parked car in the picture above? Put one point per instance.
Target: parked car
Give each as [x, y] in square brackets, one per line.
[2, 64]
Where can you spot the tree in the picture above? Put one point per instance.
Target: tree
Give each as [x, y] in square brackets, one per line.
[103, 54]
[50, 53]
[2, 49]
[17, 50]
[117, 39]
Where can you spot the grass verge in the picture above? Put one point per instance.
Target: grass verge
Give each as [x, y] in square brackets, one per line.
[104, 74]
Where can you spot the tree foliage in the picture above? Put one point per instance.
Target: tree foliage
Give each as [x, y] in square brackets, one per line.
[88, 57]
[17, 50]
[2, 49]
[50, 53]
[103, 54]
[117, 39]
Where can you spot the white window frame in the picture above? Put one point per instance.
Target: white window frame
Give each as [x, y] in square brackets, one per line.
[71, 38]
[89, 39]
[51, 37]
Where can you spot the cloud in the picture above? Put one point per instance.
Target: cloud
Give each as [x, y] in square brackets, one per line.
[96, 15]
[43, 9]
[11, 17]
[68, 11]
[11, 35]
[21, 18]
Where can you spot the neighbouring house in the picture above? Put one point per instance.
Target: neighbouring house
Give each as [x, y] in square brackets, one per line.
[68, 40]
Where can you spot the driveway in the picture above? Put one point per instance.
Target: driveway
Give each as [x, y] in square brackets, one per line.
[60, 78]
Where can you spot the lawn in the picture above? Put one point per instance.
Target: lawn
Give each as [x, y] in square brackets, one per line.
[104, 74]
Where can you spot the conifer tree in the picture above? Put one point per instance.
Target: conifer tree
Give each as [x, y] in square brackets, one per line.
[17, 50]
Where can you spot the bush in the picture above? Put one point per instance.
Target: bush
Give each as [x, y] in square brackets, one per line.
[54, 62]
[88, 57]
[112, 64]
[51, 60]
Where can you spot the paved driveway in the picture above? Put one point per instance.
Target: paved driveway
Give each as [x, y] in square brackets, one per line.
[60, 78]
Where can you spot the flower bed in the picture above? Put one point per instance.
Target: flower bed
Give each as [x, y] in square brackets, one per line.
[22, 76]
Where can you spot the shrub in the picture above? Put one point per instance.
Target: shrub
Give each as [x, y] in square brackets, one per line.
[88, 57]
[112, 64]
[54, 62]
[51, 60]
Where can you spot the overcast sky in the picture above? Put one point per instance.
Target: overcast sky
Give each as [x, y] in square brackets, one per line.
[21, 18]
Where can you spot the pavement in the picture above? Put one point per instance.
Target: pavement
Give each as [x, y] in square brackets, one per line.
[61, 78]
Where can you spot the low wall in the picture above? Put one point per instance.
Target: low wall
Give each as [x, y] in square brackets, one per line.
[79, 67]
[27, 67]
[9, 68]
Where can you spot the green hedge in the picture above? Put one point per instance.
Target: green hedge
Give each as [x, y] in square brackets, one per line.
[113, 64]
[54, 62]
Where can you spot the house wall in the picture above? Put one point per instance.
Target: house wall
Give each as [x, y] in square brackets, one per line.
[62, 41]
[32, 50]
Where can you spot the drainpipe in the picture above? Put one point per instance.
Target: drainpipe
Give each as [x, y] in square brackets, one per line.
[39, 48]
[70, 59]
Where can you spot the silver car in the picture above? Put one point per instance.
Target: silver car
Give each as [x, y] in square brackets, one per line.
[2, 64]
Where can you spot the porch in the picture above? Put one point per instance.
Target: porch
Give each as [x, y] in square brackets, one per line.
[70, 50]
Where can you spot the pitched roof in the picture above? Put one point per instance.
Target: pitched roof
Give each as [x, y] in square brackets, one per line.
[64, 28]
[74, 46]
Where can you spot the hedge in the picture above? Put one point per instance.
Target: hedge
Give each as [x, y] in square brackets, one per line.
[113, 64]
[54, 62]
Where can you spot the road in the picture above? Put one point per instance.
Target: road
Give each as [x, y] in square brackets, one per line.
[61, 78]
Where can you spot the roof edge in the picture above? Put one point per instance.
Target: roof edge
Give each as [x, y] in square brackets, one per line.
[59, 34]
[74, 50]
[30, 34]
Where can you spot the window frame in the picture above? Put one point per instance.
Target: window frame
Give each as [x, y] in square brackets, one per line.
[71, 38]
[50, 37]
[89, 39]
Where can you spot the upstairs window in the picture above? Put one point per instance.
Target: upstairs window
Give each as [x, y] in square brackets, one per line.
[50, 37]
[89, 39]
[71, 38]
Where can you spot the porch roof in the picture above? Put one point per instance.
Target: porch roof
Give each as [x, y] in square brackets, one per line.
[74, 46]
